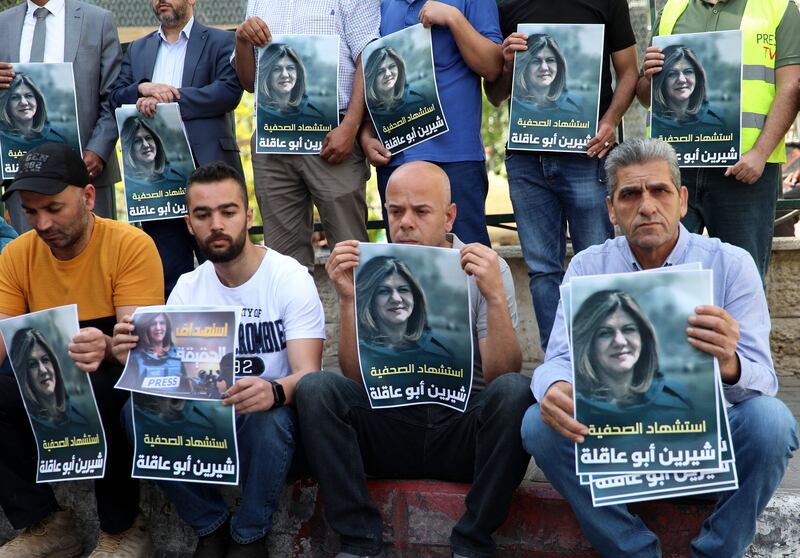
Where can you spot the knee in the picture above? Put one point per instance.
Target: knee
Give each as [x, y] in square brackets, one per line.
[767, 426]
[538, 439]
[311, 387]
[510, 393]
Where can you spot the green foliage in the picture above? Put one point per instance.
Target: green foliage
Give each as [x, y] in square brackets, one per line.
[494, 130]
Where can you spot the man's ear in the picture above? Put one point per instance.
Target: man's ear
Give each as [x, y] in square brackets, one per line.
[611, 215]
[450, 217]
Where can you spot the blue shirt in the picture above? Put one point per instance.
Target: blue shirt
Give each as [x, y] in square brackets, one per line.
[459, 87]
[737, 289]
[168, 67]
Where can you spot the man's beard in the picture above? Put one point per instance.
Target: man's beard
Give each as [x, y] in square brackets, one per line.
[234, 249]
[177, 15]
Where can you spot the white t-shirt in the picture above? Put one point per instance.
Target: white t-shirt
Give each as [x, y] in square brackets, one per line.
[279, 303]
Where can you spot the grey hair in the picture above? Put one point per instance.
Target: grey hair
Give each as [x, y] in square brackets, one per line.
[638, 151]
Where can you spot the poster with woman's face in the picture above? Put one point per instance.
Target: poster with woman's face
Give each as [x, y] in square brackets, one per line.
[38, 107]
[182, 351]
[58, 397]
[696, 98]
[413, 325]
[555, 95]
[156, 162]
[647, 396]
[297, 80]
[400, 88]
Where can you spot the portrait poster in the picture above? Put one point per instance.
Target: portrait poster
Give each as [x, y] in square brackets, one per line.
[297, 98]
[184, 440]
[156, 162]
[696, 98]
[58, 396]
[555, 93]
[181, 351]
[648, 398]
[38, 107]
[413, 325]
[400, 88]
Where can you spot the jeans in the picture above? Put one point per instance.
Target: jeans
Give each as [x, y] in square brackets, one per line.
[345, 440]
[547, 192]
[266, 442]
[469, 186]
[738, 213]
[764, 435]
[176, 247]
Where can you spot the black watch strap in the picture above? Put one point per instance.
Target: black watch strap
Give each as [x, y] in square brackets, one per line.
[278, 395]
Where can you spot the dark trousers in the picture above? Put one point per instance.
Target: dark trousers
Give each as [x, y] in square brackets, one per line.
[25, 502]
[176, 247]
[345, 440]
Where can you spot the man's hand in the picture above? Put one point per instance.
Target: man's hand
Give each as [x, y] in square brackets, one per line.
[375, 152]
[791, 180]
[338, 144]
[483, 262]
[605, 139]
[714, 331]
[749, 167]
[161, 91]
[88, 348]
[341, 263]
[6, 75]
[653, 61]
[437, 13]
[147, 106]
[124, 340]
[249, 395]
[557, 410]
[94, 163]
[514, 43]
[254, 31]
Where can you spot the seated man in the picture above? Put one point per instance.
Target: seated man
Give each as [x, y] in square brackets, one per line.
[647, 202]
[345, 439]
[276, 294]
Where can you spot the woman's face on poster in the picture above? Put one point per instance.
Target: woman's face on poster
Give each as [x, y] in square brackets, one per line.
[157, 330]
[394, 300]
[144, 146]
[387, 76]
[22, 104]
[283, 76]
[680, 81]
[543, 68]
[617, 344]
[41, 371]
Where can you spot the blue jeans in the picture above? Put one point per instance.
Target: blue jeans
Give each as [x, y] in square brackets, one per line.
[764, 435]
[266, 442]
[469, 185]
[737, 213]
[547, 192]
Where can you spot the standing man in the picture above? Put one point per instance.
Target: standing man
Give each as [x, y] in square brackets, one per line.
[551, 190]
[280, 339]
[737, 204]
[466, 48]
[71, 31]
[288, 186]
[187, 63]
[108, 269]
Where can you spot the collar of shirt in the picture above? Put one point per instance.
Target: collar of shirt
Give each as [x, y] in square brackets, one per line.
[675, 257]
[55, 7]
[186, 32]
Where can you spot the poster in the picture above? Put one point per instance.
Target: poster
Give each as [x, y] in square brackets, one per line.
[555, 94]
[400, 88]
[38, 107]
[58, 397]
[296, 93]
[181, 351]
[156, 162]
[696, 97]
[413, 325]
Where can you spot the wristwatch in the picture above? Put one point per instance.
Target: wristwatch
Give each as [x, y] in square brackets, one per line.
[278, 394]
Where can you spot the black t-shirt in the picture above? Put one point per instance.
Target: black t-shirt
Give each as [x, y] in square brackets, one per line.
[613, 13]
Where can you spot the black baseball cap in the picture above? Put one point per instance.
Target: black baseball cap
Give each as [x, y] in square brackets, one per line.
[48, 169]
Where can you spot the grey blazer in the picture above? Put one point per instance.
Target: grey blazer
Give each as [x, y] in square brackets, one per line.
[92, 45]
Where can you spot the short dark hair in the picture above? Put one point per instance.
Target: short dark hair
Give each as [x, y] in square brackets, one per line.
[217, 171]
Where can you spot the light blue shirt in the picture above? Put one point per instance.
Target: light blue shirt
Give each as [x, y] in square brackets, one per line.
[737, 289]
[169, 60]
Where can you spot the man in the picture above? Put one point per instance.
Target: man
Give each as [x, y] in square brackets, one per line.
[466, 47]
[737, 204]
[287, 185]
[108, 269]
[188, 63]
[548, 189]
[345, 440]
[646, 201]
[280, 339]
[85, 35]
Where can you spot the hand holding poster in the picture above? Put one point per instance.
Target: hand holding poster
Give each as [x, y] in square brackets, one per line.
[58, 397]
[39, 106]
[296, 93]
[400, 88]
[181, 351]
[555, 95]
[696, 97]
[156, 162]
[413, 326]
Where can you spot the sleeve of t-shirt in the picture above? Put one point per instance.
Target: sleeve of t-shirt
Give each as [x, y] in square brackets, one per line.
[140, 278]
[787, 38]
[511, 301]
[303, 316]
[482, 15]
[177, 297]
[361, 24]
[620, 31]
[12, 279]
